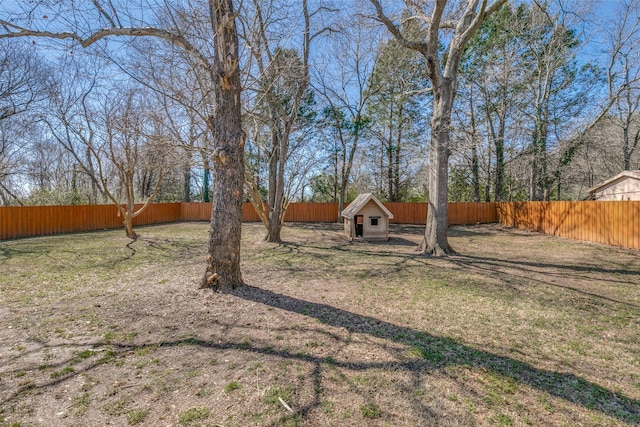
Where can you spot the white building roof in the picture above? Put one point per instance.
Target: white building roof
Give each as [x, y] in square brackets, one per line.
[635, 174]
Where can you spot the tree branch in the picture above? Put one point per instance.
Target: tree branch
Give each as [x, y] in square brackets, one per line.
[395, 31]
[479, 17]
[179, 40]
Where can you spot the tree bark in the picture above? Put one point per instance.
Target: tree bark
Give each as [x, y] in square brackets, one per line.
[499, 145]
[475, 172]
[475, 169]
[186, 180]
[223, 261]
[255, 197]
[626, 152]
[206, 187]
[435, 241]
[128, 225]
[276, 190]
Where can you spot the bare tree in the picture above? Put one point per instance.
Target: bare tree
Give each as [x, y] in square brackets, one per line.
[493, 68]
[95, 23]
[344, 85]
[281, 85]
[185, 92]
[398, 83]
[608, 142]
[132, 137]
[459, 20]
[24, 82]
[112, 137]
[623, 77]
[13, 158]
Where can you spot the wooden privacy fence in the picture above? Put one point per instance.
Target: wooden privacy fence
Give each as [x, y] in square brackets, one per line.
[611, 223]
[403, 213]
[297, 212]
[25, 221]
[459, 213]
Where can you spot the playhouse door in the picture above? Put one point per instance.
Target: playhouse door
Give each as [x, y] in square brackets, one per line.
[359, 220]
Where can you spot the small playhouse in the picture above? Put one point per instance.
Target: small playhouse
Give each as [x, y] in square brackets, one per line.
[366, 218]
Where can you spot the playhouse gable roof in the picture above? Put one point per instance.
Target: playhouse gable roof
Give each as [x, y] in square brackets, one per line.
[360, 202]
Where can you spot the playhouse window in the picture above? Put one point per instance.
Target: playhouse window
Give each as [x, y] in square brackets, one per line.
[374, 220]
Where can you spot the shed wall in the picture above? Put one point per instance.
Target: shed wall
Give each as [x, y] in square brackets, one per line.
[381, 231]
[623, 189]
[349, 229]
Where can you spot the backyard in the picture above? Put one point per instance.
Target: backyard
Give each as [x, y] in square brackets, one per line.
[518, 329]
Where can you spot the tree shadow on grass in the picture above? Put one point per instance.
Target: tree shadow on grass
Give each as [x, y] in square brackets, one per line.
[472, 260]
[114, 352]
[439, 352]
[508, 269]
[7, 252]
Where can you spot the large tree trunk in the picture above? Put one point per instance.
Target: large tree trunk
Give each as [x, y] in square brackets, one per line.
[435, 240]
[396, 159]
[206, 187]
[335, 181]
[128, 226]
[475, 172]
[487, 187]
[92, 176]
[475, 167]
[278, 211]
[223, 263]
[128, 212]
[499, 188]
[499, 145]
[277, 203]
[273, 234]
[346, 172]
[396, 173]
[275, 189]
[390, 196]
[343, 196]
[186, 181]
[625, 147]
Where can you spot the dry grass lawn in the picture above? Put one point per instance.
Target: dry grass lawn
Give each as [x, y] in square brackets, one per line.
[519, 329]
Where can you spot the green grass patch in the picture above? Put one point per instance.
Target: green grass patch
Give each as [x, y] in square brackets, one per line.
[232, 386]
[136, 416]
[501, 420]
[193, 415]
[274, 394]
[145, 350]
[370, 410]
[64, 371]
[118, 407]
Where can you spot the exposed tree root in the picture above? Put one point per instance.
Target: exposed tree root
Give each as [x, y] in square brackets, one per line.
[436, 250]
